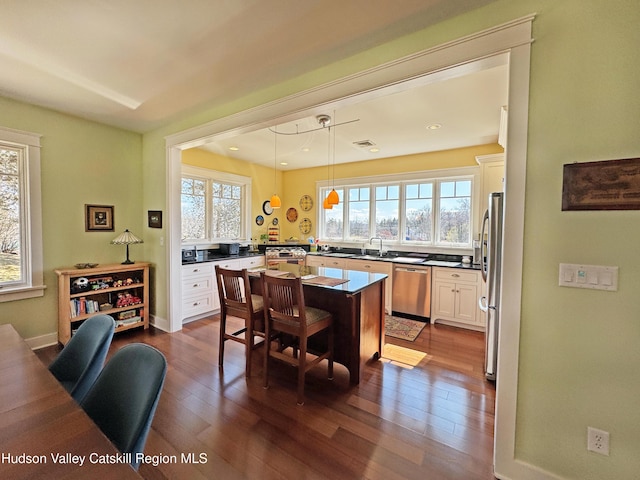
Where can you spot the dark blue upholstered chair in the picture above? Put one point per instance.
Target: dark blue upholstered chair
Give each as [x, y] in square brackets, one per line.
[124, 397]
[80, 361]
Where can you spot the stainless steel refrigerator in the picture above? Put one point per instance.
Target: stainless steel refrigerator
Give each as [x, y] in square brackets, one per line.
[491, 264]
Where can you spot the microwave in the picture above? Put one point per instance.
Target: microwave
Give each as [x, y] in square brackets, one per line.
[229, 248]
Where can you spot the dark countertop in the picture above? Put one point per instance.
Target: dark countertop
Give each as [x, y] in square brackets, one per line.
[205, 256]
[356, 281]
[437, 260]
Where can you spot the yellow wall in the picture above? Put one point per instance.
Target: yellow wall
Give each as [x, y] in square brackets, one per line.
[293, 184]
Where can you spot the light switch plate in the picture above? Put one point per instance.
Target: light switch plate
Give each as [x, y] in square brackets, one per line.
[595, 277]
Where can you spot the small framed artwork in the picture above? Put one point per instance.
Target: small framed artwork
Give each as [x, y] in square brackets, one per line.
[155, 218]
[98, 218]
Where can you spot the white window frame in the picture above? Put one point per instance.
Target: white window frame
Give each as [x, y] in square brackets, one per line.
[223, 177]
[32, 284]
[432, 176]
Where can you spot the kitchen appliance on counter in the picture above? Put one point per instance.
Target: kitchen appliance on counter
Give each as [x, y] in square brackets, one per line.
[412, 290]
[491, 267]
[229, 248]
[274, 256]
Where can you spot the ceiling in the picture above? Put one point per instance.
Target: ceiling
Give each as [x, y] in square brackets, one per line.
[459, 108]
[141, 64]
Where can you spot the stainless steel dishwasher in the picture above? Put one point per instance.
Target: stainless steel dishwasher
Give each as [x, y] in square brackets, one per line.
[412, 290]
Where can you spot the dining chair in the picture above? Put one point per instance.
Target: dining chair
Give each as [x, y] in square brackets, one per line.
[236, 300]
[285, 313]
[78, 364]
[124, 397]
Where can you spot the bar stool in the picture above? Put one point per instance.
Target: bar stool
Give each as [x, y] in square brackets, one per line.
[237, 300]
[285, 313]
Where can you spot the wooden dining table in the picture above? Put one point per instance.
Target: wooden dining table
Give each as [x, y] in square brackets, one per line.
[43, 432]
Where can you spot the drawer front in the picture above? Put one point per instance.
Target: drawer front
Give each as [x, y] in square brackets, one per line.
[196, 270]
[455, 275]
[196, 285]
[197, 305]
[252, 262]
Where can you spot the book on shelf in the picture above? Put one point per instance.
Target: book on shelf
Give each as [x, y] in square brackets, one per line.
[83, 306]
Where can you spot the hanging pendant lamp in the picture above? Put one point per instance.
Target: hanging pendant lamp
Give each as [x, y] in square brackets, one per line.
[333, 198]
[275, 201]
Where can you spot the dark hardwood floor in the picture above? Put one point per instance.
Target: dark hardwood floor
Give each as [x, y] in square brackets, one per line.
[424, 411]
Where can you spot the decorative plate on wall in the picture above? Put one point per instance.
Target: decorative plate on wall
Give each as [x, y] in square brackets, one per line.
[306, 203]
[266, 207]
[259, 220]
[275, 221]
[305, 226]
[292, 214]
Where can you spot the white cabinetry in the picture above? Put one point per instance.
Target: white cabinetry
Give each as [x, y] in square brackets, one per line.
[491, 177]
[454, 294]
[199, 287]
[376, 267]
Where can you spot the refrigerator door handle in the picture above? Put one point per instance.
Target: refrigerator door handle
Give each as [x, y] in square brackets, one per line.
[483, 246]
[482, 303]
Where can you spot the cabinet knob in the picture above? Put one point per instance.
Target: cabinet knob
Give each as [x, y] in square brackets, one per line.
[455, 275]
[195, 304]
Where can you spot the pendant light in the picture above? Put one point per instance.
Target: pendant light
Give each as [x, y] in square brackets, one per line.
[275, 201]
[333, 198]
[324, 120]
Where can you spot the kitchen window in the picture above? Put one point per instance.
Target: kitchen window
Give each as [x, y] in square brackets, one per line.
[20, 216]
[431, 211]
[214, 206]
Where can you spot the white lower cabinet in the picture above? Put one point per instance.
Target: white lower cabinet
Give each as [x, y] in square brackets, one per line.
[197, 289]
[376, 267]
[199, 286]
[454, 297]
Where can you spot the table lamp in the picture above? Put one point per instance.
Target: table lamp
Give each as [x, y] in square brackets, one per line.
[126, 238]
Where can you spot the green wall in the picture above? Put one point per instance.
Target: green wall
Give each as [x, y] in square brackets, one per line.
[579, 348]
[82, 163]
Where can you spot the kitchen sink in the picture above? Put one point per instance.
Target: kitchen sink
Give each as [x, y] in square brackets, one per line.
[407, 260]
[370, 257]
[342, 255]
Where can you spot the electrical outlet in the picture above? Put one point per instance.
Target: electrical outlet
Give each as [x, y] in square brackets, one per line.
[597, 441]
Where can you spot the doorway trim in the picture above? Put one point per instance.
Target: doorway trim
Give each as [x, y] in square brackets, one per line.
[514, 39]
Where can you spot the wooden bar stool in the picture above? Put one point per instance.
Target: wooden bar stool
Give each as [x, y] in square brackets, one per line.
[236, 300]
[285, 313]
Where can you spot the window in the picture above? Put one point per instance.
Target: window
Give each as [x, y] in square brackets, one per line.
[434, 211]
[214, 205]
[20, 216]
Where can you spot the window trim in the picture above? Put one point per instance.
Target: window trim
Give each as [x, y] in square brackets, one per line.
[217, 176]
[33, 285]
[436, 176]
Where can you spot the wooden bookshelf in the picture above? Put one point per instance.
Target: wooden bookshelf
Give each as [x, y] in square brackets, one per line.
[121, 291]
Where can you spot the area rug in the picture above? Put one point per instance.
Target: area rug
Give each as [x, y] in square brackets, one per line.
[402, 328]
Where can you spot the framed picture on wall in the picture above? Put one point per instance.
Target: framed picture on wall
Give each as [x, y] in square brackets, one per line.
[155, 218]
[98, 218]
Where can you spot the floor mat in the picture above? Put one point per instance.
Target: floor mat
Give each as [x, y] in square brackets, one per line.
[403, 328]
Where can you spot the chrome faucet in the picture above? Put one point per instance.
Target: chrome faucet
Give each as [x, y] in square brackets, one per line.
[371, 243]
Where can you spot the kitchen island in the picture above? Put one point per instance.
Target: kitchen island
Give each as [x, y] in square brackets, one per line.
[356, 301]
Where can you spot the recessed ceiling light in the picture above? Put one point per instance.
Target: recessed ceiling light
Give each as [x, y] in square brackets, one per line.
[434, 126]
[374, 150]
[305, 149]
[235, 149]
[284, 163]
